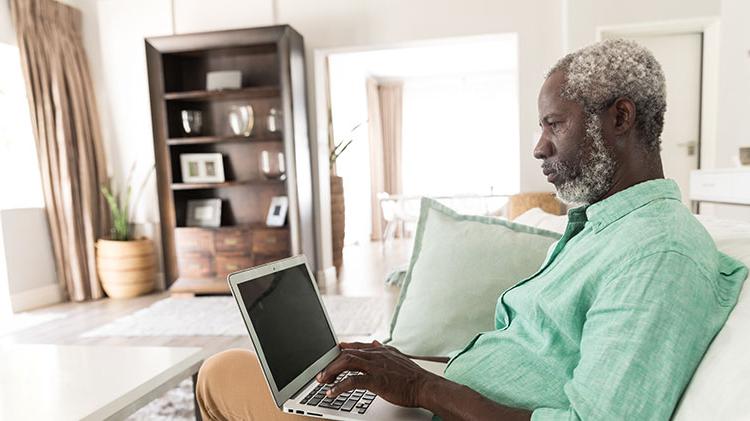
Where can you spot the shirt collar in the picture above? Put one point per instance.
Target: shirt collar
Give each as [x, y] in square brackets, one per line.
[609, 210]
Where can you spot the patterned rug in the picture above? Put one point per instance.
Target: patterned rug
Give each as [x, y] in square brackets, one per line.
[176, 405]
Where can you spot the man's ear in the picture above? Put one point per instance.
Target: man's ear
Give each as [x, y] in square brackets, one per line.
[623, 112]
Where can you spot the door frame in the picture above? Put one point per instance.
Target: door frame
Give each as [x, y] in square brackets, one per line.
[709, 94]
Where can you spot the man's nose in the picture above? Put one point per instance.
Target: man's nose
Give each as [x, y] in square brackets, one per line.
[543, 148]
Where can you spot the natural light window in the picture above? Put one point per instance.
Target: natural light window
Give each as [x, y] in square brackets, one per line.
[20, 183]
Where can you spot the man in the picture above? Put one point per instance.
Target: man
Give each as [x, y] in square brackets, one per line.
[616, 320]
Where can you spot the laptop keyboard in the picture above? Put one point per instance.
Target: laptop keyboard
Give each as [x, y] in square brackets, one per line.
[352, 401]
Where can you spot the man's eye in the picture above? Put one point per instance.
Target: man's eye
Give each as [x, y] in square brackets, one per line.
[554, 125]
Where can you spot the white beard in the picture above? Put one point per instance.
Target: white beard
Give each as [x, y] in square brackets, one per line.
[594, 175]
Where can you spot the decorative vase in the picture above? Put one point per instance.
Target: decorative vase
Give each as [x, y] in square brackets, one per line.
[192, 122]
[241, 120]
[272, 165]
[273, 123]
[126, 268]
[337, 219]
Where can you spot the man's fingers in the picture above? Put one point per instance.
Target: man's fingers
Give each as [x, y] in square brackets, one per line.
[349, 360]
[359, 345]
[350, 383]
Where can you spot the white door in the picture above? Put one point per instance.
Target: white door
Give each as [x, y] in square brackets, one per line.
[680, 56]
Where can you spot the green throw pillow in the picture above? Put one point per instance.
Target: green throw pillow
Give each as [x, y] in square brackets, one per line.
[459, 267]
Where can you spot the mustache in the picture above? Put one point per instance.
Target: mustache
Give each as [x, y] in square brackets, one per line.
[553, 166]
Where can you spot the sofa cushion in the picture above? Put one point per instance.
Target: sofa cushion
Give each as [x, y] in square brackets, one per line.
[721, 384]
[538, 218]
[460, 265]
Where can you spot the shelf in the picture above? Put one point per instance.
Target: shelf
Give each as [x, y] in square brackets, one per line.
[199, 186]
[243, 93]
[251, 226]
[271, 62]
[202, 140]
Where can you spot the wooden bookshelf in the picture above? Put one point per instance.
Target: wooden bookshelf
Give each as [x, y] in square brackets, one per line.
[197, 259]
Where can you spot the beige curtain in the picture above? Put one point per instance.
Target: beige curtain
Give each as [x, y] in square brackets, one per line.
[384, 107]
[68, 137]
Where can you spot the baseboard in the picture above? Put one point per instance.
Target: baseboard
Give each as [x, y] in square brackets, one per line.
[35, 298]
[327, 276]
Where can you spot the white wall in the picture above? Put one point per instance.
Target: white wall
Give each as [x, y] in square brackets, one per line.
[125, 97]
[734, 80]
[734, 95]
[582, 17]
[29, 264]
[216, 15]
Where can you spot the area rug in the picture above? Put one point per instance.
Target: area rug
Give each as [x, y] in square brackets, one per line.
[175, 405]
[212, 316]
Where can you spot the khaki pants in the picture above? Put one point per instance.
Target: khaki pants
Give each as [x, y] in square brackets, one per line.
[231, 386]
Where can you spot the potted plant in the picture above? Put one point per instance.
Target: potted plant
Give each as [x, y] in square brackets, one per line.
[126, 265]
[338, 210]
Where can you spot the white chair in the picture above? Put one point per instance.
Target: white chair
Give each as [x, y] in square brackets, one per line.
[389, 210]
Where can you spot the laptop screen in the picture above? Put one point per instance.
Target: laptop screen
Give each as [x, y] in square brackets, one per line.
[289, 321]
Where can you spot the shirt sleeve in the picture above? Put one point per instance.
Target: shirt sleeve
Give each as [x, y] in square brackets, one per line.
[645, 333]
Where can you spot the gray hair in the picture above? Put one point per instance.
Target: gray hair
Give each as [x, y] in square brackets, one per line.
[595, 76]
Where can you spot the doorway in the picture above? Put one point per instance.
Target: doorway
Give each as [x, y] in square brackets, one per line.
[458, 118]
[688, 138]
[459, 132]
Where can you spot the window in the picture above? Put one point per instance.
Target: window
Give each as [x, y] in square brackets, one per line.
[20, 183]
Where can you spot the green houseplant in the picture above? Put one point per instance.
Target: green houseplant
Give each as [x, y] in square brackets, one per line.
[126, 265]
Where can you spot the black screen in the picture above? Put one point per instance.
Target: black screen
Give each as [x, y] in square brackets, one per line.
[289, 321]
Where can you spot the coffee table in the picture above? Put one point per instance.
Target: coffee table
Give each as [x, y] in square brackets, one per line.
[72, 382]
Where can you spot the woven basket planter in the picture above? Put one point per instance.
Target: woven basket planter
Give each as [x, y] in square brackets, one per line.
[337, 219]
[126, 268]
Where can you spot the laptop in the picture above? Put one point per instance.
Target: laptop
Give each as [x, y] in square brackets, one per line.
[294, 341]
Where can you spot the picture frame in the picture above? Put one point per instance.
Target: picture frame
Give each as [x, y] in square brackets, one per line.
[204, 213]
[202, 168]
[223, 79]
[277, 211]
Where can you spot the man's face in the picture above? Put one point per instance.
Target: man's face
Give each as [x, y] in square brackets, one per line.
[576, 158]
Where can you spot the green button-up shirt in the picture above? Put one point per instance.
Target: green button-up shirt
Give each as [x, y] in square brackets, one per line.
[615, 322]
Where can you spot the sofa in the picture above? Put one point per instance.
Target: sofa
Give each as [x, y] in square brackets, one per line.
[491, 254]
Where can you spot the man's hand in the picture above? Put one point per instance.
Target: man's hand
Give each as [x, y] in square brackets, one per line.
[385, 371]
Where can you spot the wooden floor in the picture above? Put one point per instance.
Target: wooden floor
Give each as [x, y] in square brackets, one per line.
[363, 274]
